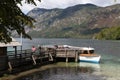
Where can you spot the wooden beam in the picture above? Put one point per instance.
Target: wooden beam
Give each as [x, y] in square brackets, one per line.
[50, 57]
[33, 58]
[10, 66]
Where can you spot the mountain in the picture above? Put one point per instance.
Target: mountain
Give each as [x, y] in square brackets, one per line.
[79, 21]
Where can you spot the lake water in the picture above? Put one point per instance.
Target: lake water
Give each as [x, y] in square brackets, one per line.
[108, 69]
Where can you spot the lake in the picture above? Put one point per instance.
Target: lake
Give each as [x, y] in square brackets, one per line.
[108, 69]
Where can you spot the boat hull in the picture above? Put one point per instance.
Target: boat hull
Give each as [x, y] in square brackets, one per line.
[92, 59]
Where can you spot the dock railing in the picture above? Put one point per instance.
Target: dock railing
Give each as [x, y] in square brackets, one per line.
[26, 58]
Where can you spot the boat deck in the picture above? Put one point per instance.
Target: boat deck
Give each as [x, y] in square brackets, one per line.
[89, 55]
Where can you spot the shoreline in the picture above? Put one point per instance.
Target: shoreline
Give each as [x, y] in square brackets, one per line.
[25, 73]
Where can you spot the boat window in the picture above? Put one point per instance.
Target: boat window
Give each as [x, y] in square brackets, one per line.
[85, 52]
[91, 51]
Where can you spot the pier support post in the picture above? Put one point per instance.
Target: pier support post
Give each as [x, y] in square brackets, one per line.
[33, 58]
[76, 56]
[50, 56]
[66, 59]
[10, 66]
[66, 56]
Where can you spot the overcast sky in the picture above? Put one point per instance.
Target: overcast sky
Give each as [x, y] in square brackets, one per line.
[49, 4]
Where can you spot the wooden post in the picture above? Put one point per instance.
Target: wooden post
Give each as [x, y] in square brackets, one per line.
[41, 60]
[51, 58]
[66, 55]
[76, 56]
[79, 53]
[10, 66]
[15, 51]
[33, 58]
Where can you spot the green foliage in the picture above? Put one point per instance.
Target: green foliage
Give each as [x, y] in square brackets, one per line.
[109, 33]
[13, 19]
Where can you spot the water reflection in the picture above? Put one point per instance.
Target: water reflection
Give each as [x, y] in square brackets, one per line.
[72, 71]
[92, 65]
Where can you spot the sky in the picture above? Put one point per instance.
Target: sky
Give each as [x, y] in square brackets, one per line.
[50, 4]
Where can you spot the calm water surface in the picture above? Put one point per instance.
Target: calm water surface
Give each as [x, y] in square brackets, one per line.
[108, 69]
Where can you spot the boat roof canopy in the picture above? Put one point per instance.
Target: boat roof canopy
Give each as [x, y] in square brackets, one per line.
[87, 48]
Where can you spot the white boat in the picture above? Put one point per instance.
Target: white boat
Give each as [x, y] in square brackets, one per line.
[87, 55]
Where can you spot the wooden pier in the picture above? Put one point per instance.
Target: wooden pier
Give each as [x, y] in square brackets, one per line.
[67, 53]
[26, 59]
[29, 58]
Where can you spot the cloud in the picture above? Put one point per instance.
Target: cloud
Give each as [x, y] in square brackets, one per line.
[105, 2]
[49, 4]
[57, 3]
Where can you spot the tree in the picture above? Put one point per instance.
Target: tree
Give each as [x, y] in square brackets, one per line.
[112, 33]
[13, 19]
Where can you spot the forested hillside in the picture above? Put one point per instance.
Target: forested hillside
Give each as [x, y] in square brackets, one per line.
[79, 21]
[109, 33]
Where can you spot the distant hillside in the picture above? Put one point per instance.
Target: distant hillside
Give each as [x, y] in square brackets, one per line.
[79, 21]
[112, 33]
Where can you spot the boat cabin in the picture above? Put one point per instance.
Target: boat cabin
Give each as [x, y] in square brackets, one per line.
[87, 50]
